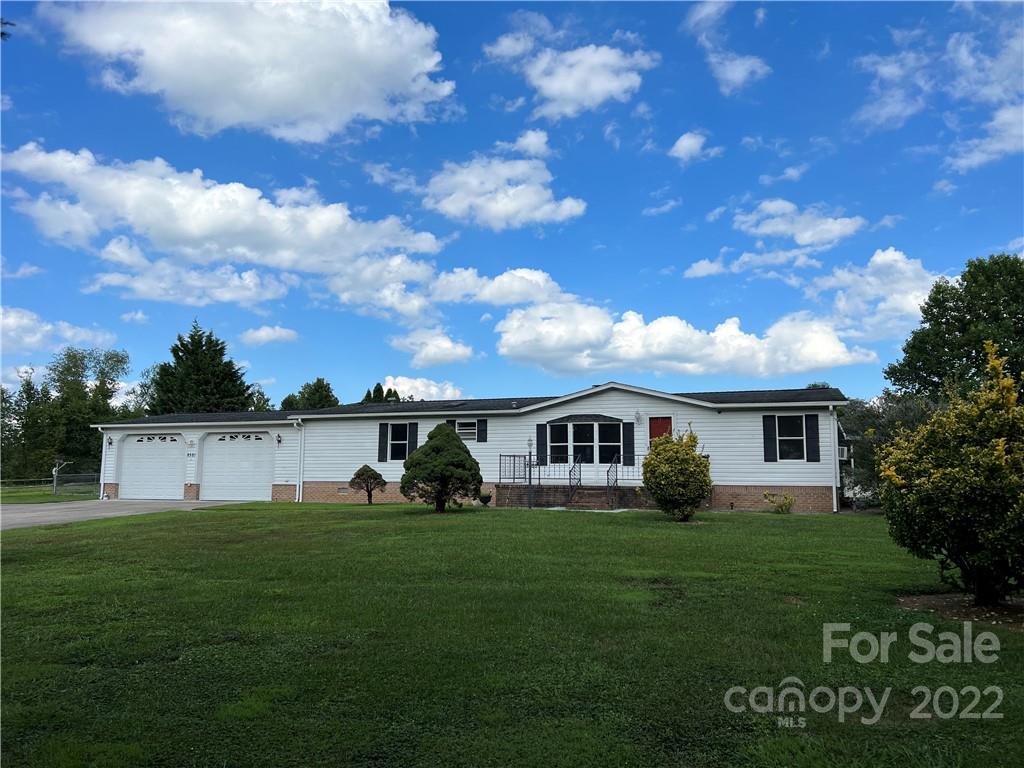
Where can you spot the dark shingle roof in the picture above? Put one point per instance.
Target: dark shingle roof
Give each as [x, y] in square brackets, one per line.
[412, 406]
[757, 396]
[468, 406]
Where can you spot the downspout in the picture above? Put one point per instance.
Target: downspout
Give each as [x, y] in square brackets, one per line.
[835, 459]
[103, 461]
[302, 455]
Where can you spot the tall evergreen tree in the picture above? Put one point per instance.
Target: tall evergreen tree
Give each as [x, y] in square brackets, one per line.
[200, 378]
[378, 393]
[368, 397]
[311, 395]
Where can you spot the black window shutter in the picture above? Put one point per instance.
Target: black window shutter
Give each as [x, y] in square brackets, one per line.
[628, 457]
[481, 430]
[414, 429]
[771, 446]
[450, 423]
[382, 442]
[811, 434]
[542, 445]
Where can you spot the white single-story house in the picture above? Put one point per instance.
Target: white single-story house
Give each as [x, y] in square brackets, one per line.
[547, 451]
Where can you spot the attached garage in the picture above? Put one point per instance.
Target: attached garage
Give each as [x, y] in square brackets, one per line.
[237, 466]
[153, 467]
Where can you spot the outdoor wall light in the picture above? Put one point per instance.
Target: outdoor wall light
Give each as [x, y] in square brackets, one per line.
[110, 440]
[638, 417]
[278, 438]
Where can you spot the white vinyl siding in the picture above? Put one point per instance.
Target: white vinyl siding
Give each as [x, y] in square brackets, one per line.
[335, 448]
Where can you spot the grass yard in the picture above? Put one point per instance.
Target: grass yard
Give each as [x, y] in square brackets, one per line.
[284, 635]
[44, 495]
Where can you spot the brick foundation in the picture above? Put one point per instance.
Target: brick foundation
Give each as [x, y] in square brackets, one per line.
[110, 490]
[809, 498]
[723, 497]
[191, 492]
[338, 492]
[282, 492]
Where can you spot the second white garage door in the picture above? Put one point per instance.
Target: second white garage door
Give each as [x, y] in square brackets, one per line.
[237, 466]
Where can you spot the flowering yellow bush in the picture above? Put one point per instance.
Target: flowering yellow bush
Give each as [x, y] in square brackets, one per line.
[954, 488]
[677, 477]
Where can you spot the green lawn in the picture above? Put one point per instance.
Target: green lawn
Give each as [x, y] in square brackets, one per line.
[285, 635]
[44, 495]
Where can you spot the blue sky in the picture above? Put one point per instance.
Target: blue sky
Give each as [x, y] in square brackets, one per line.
[505, 199]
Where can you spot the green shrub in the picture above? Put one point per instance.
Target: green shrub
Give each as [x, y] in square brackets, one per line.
[954, 488]
[441, 470]
[677, 476]
[367, 479]
[779, 503]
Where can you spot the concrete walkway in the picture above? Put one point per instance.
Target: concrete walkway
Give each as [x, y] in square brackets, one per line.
[26, 515]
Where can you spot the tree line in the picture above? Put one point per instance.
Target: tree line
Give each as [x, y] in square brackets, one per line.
[47, 422]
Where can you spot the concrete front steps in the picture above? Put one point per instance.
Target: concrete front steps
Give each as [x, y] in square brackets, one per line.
[586, 497]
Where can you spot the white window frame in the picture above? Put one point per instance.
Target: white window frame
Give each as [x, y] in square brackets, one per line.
[597, 437]
[802, 438]
[466, 430]
[567, 444]
[393, 442]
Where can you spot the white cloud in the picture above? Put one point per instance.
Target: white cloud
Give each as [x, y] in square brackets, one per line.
[813, 225]
[499, 194]
[422, 389]
[689, 148]
[432, 346]
[397, 180]
[984, 78]
[514, 286]
[879, 300]
[705, 268]
[136, 316]
[899, 90]
[888, 221]
[1004, 136]
[715, 214]
[24, 270]
[568, 83]
[5, 103]
[796, 257]
[760, 14]
[1016, 245]
[25, 331]
[532, 143]
[944, 187]
[192, 219]
[658, 210]
[611, 134]
[574, 338]
[791, 173]
[167, 280]
[276, 68]
[733, 71]
[267, 334]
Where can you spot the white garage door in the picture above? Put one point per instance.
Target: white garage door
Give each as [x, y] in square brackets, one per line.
[152, 467]
[237, 466]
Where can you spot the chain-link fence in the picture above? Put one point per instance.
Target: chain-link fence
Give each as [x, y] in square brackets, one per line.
[82, 484]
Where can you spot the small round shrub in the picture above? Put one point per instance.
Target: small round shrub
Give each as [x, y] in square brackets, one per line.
[677, 476]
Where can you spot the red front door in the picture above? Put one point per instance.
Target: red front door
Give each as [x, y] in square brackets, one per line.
[658, 426]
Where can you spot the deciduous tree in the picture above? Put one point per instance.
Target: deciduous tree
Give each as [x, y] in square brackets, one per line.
[369, 480]
[954, 487]
[985, 303]
[311, 395]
